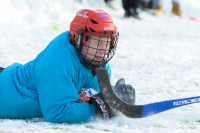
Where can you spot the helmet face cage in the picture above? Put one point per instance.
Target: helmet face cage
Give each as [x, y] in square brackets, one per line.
[95, 36]
[98, 48]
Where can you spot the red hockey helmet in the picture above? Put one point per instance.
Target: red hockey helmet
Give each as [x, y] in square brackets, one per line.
[93, 23]
[96, 21]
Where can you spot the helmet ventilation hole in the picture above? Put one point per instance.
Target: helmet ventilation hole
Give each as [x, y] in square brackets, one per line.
[94, 22]
[92, 30]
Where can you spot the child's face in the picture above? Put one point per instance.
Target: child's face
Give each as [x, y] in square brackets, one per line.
[96, 48]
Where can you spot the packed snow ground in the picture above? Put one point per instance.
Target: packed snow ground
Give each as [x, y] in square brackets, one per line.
[159, 56]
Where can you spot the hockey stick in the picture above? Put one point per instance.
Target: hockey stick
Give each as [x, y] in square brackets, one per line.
[137, 111]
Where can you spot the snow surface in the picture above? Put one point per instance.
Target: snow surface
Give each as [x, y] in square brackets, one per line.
[159, 56]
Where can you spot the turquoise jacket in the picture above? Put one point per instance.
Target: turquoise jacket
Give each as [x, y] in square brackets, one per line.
[48, 86]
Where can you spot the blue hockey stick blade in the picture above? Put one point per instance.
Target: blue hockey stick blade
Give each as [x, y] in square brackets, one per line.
[158, 107]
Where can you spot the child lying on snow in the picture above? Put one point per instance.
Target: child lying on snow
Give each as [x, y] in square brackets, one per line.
[48, 86]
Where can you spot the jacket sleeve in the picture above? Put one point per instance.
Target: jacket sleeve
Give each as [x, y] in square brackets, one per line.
[58, 100]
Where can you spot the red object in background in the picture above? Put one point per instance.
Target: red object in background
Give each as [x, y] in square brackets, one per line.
[194, 19]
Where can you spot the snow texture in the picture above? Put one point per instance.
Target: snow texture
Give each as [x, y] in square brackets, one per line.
[158, 55]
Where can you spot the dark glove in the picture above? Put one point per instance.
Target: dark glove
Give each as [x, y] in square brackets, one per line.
[101, 106]
[125, 91]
